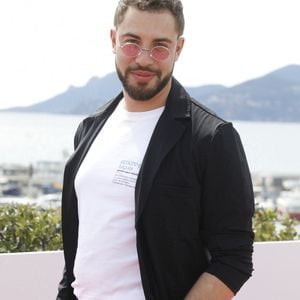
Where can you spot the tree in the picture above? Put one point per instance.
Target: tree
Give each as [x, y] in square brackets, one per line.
[29, 228]
[270, 225]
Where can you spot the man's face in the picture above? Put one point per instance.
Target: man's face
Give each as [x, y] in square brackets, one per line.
[143, 77]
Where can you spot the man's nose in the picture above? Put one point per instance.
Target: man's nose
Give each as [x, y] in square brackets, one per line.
[144, 58]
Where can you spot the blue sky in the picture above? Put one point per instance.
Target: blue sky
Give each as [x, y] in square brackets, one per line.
[48, 45]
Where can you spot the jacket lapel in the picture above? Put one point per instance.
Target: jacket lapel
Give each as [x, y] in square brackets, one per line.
[168, 131]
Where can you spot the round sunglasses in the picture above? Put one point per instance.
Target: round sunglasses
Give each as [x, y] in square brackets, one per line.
[158, 53]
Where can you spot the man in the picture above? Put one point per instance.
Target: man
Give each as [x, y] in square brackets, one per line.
[157, 200]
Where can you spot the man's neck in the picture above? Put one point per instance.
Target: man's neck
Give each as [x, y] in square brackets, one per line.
[157, 101]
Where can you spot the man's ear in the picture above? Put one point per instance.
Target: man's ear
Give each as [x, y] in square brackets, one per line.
[179, 47]
[113, 39]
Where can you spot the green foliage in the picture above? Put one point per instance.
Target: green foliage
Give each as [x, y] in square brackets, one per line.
[269, 225]
[32, 228]
[29, 228]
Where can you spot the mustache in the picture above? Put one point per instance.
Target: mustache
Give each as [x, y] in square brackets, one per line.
[139, 68]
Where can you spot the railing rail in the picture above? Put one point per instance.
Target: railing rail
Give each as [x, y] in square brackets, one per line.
[35, 275]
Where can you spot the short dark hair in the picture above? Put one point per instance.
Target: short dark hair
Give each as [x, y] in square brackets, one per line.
[174, 6]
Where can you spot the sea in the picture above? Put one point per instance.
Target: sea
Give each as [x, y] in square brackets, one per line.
[26, 138]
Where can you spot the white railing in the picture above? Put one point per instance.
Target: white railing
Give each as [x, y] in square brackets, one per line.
[30, 276]
[34, 276]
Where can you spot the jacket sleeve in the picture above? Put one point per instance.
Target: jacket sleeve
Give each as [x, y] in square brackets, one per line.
[63, 288]
[65, 291]
[228, 207]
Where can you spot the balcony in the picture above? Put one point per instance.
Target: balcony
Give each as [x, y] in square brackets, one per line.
[34, 276]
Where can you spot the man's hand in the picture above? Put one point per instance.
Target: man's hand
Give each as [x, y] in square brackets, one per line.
[209, 287]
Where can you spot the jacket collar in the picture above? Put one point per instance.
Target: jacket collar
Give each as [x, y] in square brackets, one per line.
[177, 102]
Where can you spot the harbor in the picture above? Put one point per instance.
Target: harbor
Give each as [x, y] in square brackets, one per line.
[280, 192]
[41, 184]
[33, 157]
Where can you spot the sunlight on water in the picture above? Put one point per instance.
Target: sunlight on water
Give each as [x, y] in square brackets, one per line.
[27, 138]
[271, 147]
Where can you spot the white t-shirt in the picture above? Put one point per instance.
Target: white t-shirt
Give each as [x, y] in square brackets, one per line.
[106, 264]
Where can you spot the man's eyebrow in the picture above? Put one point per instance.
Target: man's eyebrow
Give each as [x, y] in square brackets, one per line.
[128, 34]
[166, 40]
[158, 40]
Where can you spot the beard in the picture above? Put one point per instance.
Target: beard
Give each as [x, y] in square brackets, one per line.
[141, 92]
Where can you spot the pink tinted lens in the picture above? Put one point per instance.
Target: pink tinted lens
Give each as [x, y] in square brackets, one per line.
[130, 50]
[159, 53]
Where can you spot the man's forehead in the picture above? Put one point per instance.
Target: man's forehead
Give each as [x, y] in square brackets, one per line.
[157, 25]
